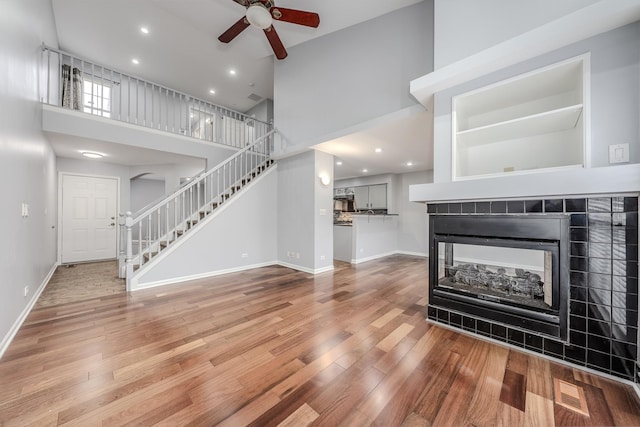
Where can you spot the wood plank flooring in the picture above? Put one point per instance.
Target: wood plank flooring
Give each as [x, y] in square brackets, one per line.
[273, 346]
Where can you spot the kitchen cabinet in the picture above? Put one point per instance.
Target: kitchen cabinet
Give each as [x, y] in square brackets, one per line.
[371, 197]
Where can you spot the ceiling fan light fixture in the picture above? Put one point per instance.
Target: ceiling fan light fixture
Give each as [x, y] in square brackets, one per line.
[259, 16]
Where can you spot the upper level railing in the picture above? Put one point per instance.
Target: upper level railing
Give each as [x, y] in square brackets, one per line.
[77, 84]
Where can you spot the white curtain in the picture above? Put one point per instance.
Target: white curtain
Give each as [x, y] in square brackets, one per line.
[71, 87]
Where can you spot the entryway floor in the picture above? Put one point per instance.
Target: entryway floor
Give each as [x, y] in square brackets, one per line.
[79, 282]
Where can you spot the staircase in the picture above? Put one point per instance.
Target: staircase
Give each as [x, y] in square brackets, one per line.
[156, 229]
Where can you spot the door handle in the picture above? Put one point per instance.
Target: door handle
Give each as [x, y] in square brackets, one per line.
[112, 224]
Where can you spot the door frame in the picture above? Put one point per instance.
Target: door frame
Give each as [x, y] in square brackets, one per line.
[86, 175]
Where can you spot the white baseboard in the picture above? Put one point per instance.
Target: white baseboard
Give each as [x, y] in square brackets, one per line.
[306, 269]
[420, 254]
[201, 275]
[6, 341]
[372, 257]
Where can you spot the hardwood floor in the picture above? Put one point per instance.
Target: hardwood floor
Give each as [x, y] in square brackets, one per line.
[274, 346]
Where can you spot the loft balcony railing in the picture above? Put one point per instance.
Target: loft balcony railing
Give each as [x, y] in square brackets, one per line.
[78, 84]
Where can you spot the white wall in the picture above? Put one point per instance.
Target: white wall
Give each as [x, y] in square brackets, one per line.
[465, 27]
[351, 76]
[244, 225]
[27, 163]
[615, 95]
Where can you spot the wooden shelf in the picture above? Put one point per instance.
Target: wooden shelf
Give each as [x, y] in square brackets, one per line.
[536, 124]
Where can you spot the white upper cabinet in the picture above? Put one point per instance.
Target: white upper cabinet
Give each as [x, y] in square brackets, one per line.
[534, 121]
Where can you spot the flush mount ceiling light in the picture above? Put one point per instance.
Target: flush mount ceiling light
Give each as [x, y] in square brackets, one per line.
[378, 150]
[232, 72]
[92, 155]
[258, 16]
[365, 170]
[409, 163]
[212, 92]
[135, 61]
[144, 30]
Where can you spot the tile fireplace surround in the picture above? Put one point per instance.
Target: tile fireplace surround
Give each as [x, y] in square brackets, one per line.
[603, 281]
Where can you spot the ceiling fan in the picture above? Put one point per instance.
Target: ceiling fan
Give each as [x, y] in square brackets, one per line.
[261, 13]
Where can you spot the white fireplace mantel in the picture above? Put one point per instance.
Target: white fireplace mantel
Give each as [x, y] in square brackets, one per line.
[549, 184]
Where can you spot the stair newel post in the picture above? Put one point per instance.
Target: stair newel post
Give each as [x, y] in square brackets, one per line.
[122, 247]
[129, 251]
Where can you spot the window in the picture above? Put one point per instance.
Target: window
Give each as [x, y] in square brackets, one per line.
[96, 98]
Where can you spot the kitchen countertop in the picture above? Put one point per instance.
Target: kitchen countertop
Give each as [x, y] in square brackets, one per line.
[373, 214]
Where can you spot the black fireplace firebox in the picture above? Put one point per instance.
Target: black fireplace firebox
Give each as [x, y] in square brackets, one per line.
[512, 269]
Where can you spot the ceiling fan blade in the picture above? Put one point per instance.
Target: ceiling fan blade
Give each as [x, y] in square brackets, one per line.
[293, 16]
[234, 30]
[276, 43]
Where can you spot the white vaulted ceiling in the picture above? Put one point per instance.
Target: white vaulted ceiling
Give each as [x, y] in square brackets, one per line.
[181, 51]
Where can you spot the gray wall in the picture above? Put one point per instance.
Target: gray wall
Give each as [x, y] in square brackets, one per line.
[144, 191]
[305, 212]
[296, 207]
[27, 162]
[323, 212]
[413, 222]
[350, 76]
[615, 95]
[465, 27]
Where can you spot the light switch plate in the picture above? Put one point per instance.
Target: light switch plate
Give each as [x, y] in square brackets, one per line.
[619, 153]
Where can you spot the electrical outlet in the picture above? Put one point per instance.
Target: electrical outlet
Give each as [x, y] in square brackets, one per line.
[322, 257]
[26, 291]
[297, 255]
[245, 255]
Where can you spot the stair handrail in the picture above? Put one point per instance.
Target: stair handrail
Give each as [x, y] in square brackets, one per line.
[202, 176]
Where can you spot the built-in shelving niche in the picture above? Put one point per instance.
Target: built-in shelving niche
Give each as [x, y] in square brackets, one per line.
[531, 122]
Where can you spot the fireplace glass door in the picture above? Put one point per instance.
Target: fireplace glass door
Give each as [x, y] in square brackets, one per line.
[506, 275]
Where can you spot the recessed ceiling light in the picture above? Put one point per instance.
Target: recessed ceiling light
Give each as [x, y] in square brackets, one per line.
[135, 61]
[212, 92]
[144, 30]
[409, 163]
[339, 163]
[92, 155]
[232, 72]
[378, 150]
[365, 170]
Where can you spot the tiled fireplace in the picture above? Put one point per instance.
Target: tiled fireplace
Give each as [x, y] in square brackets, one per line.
[573, 293]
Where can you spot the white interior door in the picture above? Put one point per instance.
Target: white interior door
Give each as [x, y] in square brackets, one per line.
[89, 207]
